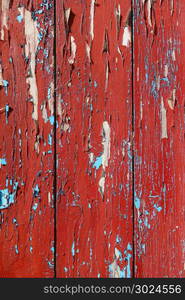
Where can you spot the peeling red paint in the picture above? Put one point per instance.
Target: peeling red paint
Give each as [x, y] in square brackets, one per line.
[159, 139]
[95, 98]
[26, 226]
[92, 138]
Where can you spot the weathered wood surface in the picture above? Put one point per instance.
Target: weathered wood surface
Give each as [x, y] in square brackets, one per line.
[26, 149]
[159, 43]
[94, 120]
[92, 138]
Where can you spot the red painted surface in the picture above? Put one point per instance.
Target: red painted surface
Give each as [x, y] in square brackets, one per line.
[66, 187]
[26, 226]
[159, 139]
[93, 91]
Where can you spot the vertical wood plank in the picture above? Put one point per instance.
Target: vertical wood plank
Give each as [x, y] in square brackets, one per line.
[159, 138]
[94, 119]
[26, 139]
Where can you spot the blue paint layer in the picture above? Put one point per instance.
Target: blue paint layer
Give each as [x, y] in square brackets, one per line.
[19, 18]
[3, 161]
[6, 198]
[73, 249]
[137, 202]
[52, 120]
[36, 191]
[34, 207]
[158, 208]
[50, 139]
[97, 164]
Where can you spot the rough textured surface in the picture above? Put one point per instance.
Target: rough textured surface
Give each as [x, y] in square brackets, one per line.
[92, 138]
[94, 163]
[159, 138]
[26, 149]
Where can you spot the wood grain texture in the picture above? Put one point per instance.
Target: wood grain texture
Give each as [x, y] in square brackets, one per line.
[92, 138]
[26, 159]
[94, 162]
[159, 138]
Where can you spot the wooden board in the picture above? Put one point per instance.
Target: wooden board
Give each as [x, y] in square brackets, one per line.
[159, 138]
[26, 139]
[94, 136]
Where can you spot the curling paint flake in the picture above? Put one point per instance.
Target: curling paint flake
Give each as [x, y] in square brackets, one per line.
[73, 51]
[106, 144]
[32, 42]
[126, 37]
[4, 16]
[163, 121]
[92, 11]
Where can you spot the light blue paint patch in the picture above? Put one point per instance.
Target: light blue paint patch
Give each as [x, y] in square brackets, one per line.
[146, 78]
[111, 270]
[40, 36]
[97, 164]
[91, 107]
[52, 249]
[164, 189]
[6, 182]
[154, 90]
[7, 110]
[143, 248]
[19, 18]
[39, 11]
[129, 154]
[50, 151]
[52, 120]
[46, 53]
[128, 265]
[6, 198]
[36, 191]
[50, 264]
[137, 202]
[122, 273]
[65, 269]
[146, 223]
[95, 84]
[158, 208]
[50, 139]
[3, 161]
[49, 93]
[6, 84]
[14, 221]
[129, 247]
[99, 275]
[31, 249]
[73, 249]
[35, 206]
[118, 239]
[16, 249]
[166, 80]
[15, 186]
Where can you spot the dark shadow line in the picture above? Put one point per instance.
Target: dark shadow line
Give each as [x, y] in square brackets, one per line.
[55, 137]
[133, 135]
